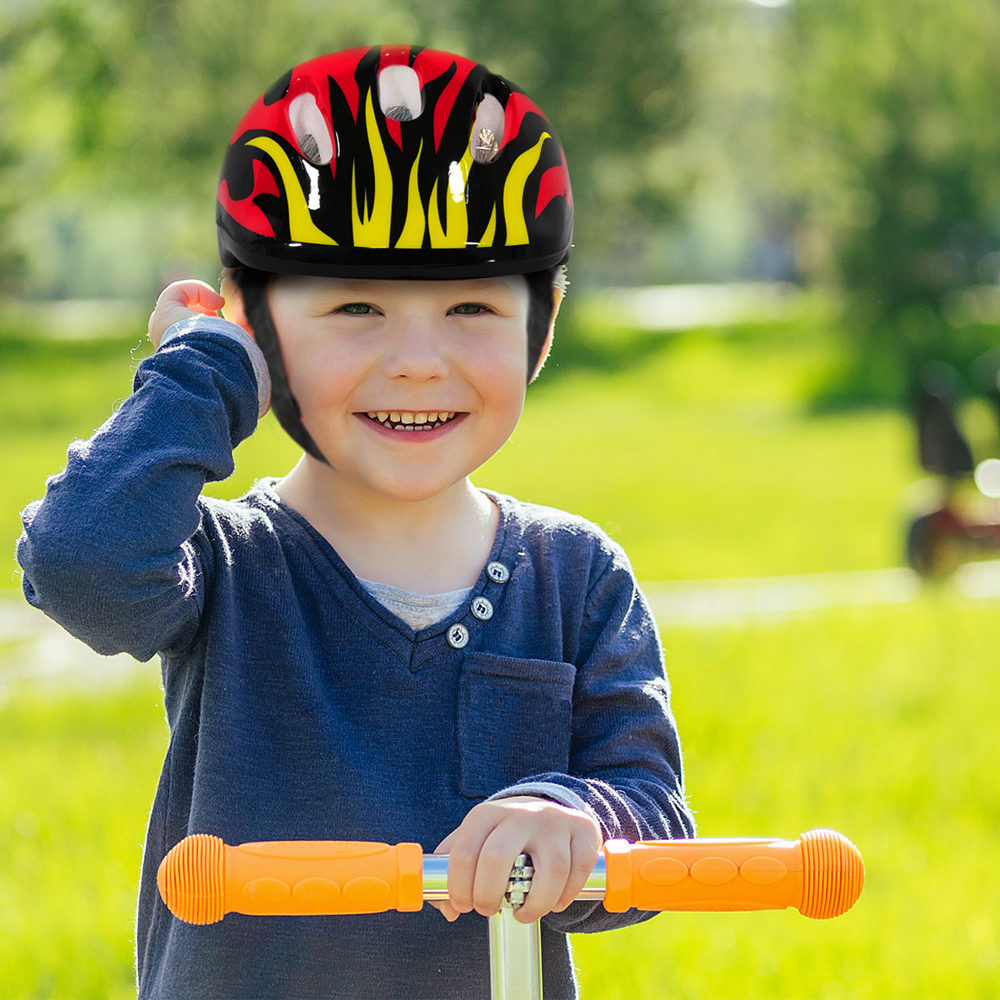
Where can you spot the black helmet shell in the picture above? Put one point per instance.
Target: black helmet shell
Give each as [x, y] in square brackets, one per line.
[394, 161]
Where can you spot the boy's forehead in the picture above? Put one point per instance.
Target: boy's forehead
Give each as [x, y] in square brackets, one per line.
[514, 283]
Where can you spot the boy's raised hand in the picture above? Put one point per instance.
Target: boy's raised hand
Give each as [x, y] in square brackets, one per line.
[181, 300]
[563, 843]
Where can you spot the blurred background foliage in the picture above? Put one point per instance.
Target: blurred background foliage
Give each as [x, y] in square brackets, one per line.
[838, 143]
[846, 145]
[117, 115]
[893, 159]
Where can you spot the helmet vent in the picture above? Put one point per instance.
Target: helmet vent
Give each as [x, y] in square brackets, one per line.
[487, 130]
[399, 93]
[311, 130]
[310, 148]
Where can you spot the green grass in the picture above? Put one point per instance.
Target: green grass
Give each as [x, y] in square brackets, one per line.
[702, 459]
[876, 722]
[700, 453]
[77, 777]
[50, 393]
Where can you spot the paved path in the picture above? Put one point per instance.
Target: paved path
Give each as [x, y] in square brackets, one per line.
[34, 649]
[777, 598]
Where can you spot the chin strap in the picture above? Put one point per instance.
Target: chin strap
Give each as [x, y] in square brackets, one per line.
[253, 285]
[540, 305]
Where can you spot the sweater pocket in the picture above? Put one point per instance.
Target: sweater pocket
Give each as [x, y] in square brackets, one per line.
[514, 720]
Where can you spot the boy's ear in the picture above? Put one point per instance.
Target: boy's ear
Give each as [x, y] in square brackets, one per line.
[233, 308]
[557, 297]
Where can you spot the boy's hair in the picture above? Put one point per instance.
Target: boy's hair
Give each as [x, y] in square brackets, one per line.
[545, 291]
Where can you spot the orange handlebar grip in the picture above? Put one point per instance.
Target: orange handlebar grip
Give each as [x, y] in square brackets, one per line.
[201, 879]
[821, 874]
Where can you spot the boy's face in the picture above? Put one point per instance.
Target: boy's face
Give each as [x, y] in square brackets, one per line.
[369, 359]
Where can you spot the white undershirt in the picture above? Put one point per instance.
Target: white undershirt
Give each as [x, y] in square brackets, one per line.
[417, 610]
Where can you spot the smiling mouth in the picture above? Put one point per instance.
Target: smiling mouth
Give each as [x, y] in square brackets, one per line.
[400, 420]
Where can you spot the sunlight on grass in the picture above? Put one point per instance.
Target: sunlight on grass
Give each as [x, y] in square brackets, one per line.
[871, 721]
[76, 783]
[700, 454]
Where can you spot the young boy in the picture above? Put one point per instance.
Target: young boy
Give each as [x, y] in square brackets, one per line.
[370, 648]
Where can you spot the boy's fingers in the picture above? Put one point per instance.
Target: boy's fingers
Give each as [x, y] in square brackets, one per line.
[178, 301]
[552, 864]
[202, 297]
[585, 850]
[445, 846]
[194, 295]
[496, 859]
[463, 848]
[446, 910]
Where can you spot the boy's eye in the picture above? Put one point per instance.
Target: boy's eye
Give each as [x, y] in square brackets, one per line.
[470, 309]
[357, 309]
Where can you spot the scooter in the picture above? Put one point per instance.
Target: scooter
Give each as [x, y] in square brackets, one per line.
[201, 879]
[962, 522]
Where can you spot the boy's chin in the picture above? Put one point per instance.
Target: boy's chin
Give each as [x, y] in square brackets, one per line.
[414, 492]
[415, 488]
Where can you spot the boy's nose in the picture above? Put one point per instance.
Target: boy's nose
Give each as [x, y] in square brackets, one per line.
[416, 351]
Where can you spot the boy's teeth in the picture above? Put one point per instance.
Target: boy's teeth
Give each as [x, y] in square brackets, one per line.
[412, 420]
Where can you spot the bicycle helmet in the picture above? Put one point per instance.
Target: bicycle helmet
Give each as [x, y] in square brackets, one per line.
[392, 162]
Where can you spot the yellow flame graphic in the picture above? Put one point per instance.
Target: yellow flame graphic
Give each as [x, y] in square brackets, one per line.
[301, 227]
[373, 230]
[513, 192]
[455, 232]
[372, 224]
[412, 235]
[491, 230]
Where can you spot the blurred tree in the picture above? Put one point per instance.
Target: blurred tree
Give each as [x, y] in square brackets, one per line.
[893, 154]
[119, 108]
[613, 78]
[11, 187]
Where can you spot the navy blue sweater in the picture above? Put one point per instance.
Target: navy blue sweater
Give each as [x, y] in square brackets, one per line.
[301, 708]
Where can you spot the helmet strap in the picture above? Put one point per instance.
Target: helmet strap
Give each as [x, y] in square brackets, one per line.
[540, 305]
[253, 285]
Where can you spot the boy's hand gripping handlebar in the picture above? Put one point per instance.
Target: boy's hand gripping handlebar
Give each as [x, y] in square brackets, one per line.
[201, 879]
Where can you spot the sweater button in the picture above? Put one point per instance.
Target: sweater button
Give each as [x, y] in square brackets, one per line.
[497, 572]
[482, 609]
[458, 636]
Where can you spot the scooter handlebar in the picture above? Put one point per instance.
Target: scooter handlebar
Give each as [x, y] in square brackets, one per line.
[201, 878]
[821, 874]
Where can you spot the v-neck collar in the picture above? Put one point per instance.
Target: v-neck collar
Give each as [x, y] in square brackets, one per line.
[417, 647]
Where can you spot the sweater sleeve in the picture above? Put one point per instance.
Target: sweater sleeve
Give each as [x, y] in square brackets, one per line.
[113, 550]
[625, 758]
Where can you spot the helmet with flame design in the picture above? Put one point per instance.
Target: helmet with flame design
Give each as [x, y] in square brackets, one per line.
[392, 162]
